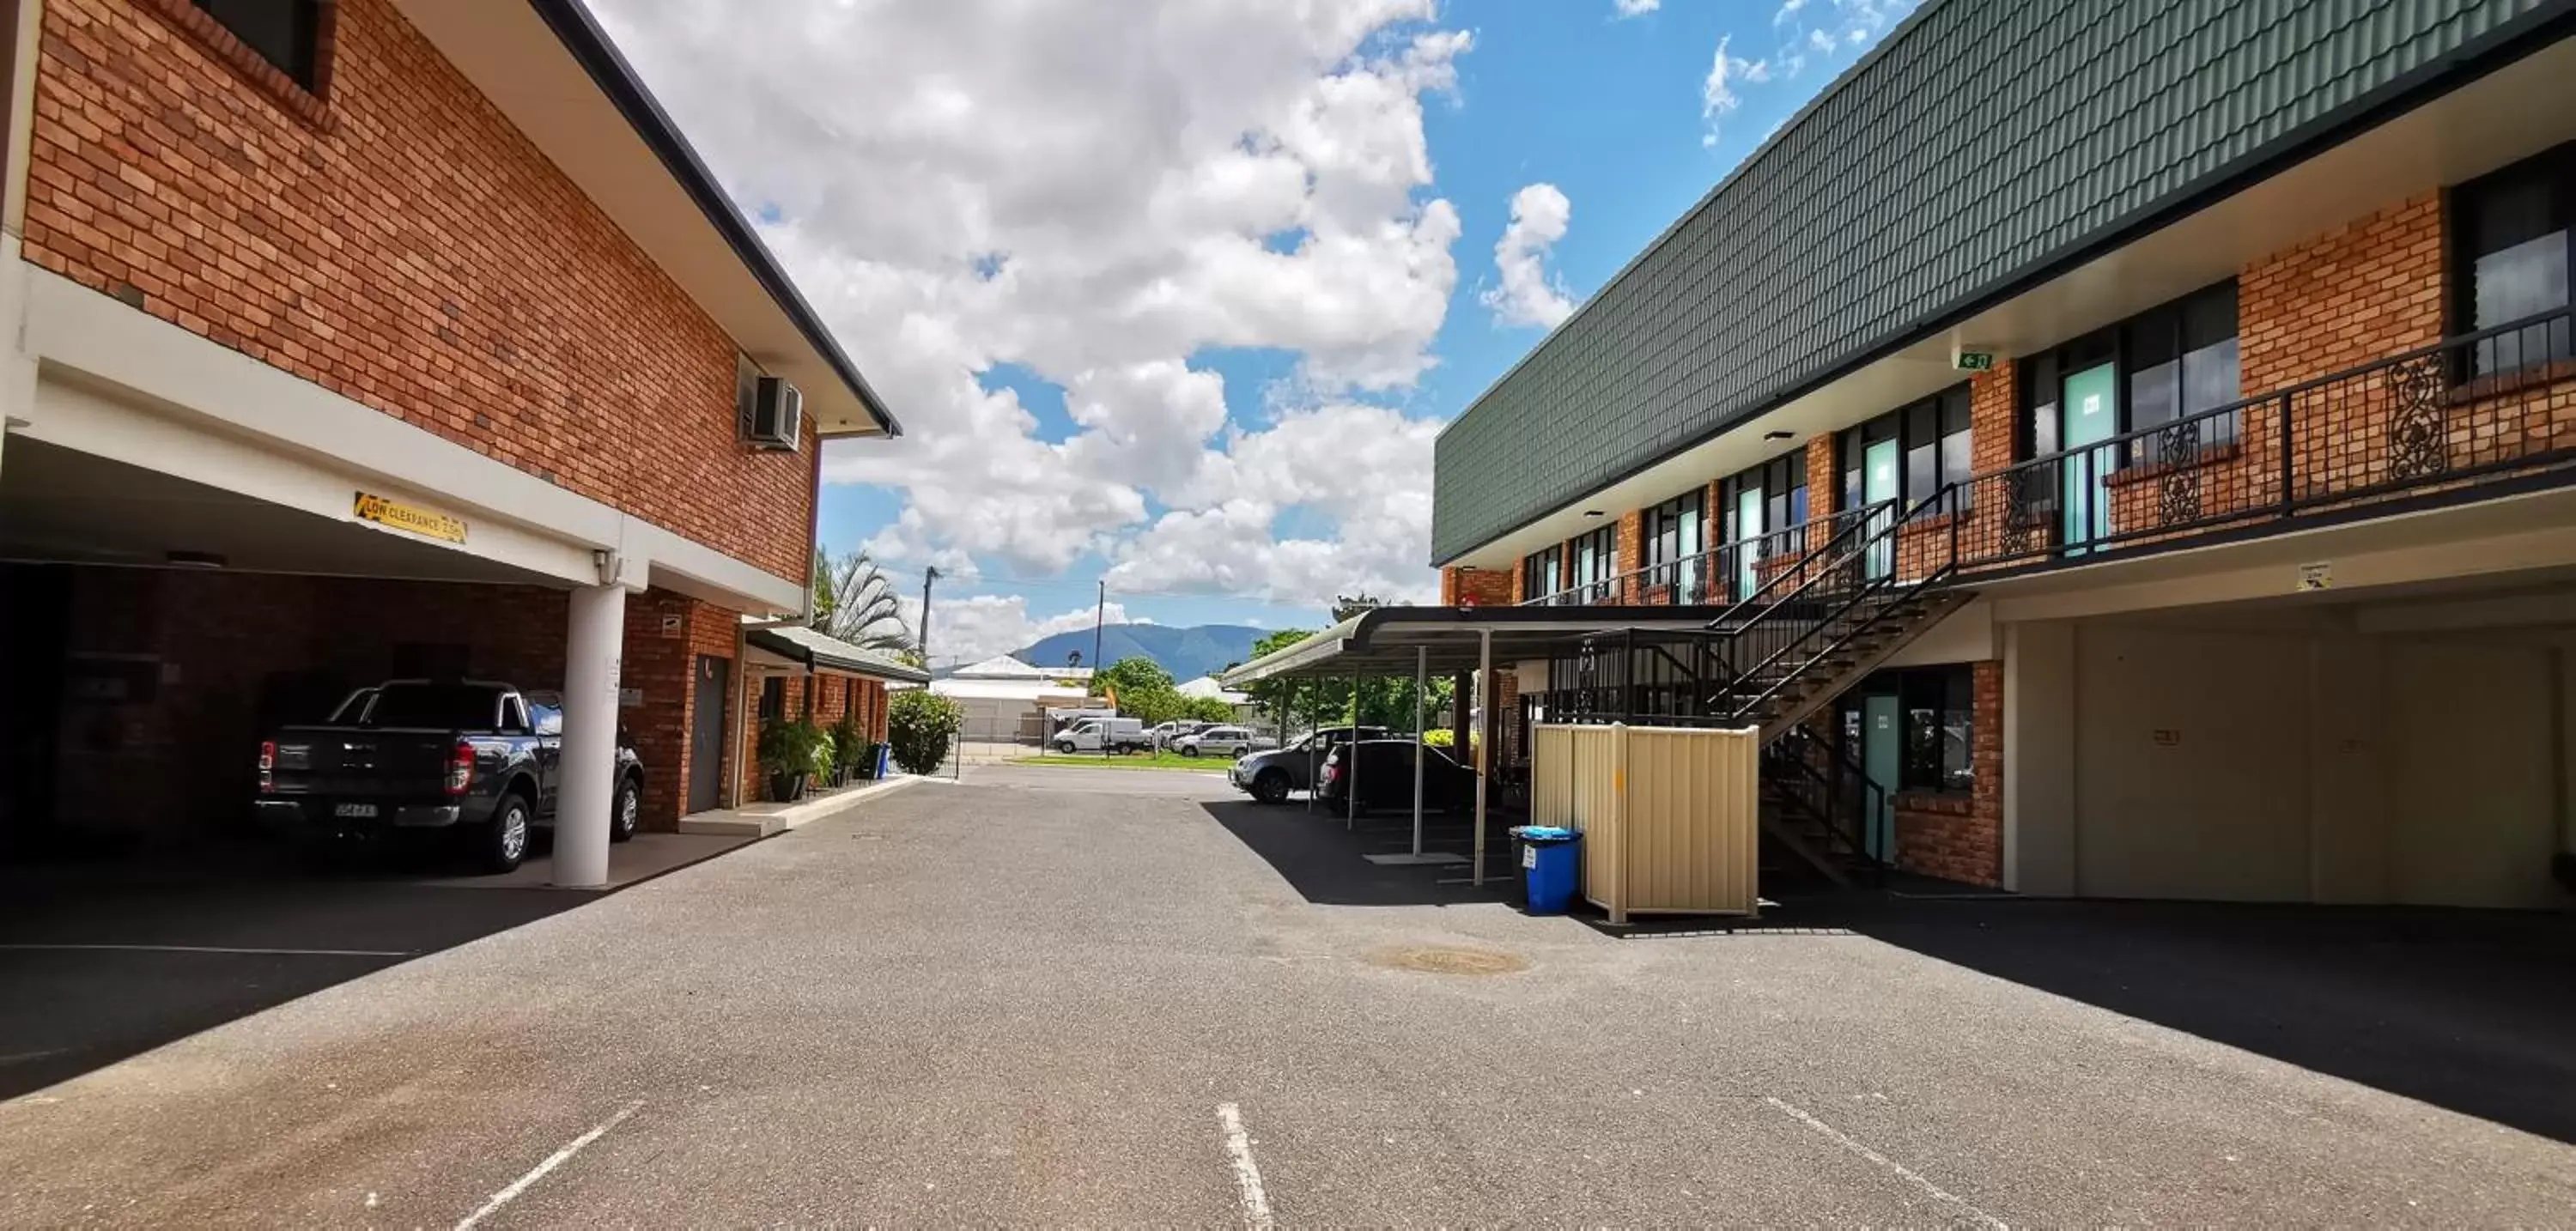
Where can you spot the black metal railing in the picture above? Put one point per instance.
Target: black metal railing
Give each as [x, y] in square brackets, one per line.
[2497, 402]
[2482, 407]
[1821, 780]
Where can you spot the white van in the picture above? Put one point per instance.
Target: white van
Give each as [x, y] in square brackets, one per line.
[1089, 734]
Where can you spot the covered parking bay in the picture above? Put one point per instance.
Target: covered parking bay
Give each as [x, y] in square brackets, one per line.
[1476, 646]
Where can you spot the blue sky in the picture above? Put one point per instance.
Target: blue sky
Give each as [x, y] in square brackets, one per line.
[1612, 110]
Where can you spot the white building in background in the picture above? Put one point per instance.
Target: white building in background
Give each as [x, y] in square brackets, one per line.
[1006, 699]
[1204, 687]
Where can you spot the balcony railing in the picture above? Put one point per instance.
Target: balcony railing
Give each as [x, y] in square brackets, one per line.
[2494, 406]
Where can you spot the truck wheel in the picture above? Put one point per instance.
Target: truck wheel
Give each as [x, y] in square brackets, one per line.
[1190, 750]
[1271, 787]
[1065, 747]
[626, 811]
[505, 837]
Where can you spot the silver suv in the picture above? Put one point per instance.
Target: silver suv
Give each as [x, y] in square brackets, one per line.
[1270, 776]
[1219, 741]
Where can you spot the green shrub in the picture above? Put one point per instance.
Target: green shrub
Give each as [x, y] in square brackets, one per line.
[825, 755]
[848, 746]
[788, 747]
[920, 723]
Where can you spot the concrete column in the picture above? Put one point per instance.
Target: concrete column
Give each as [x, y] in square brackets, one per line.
[2039, 758]
[584, 789]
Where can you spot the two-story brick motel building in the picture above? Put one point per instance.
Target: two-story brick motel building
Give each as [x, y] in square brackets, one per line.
[2109, 449]
[351, 339]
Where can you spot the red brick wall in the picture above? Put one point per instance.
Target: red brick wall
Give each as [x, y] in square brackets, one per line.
[1963, 839]
[663, 666]
[403, 245]
[1481, 587]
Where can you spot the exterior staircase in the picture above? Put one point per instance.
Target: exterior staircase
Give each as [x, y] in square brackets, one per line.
[1815, 631]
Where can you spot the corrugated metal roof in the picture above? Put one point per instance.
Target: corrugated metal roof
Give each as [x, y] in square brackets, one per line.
[807, 645]
[1982, 146]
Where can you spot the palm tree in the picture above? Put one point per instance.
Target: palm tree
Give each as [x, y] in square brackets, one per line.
[854, 601]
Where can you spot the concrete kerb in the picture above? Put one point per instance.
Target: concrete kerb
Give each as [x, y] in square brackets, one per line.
[764, 819]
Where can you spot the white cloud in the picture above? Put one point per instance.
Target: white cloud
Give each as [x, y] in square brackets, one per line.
[1805, 30]
[976, 627]
[1528, 296]
[1636, 8]
[1096, 192]
[1360, 467]
[1717, 95]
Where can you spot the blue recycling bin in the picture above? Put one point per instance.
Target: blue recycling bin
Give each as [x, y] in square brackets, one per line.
[1550, 857]
[885, 760]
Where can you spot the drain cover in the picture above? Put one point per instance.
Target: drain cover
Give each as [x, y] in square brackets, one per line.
[1444, 960]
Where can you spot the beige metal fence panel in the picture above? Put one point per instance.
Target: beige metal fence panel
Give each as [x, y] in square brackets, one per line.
[1669, 816]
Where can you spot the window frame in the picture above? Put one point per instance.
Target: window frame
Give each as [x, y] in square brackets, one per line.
[2554, 171]
[1605, 554]
[1552, 559]
[1942, 690]
[302, 90]
[2120, 344]
[1926, 425]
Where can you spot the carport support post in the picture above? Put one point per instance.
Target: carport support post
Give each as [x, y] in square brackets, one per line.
[1484, 739]
[1351, 801]
[1421, 672]
[585, 780]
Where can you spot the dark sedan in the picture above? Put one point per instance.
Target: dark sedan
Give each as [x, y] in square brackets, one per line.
[1386, 778]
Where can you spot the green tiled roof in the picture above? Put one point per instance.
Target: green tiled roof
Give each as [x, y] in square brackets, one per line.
[1984, 145]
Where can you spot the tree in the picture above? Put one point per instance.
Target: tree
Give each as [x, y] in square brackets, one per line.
[920, 724]
[1206, 709]
[1144, 689]
[854, 601]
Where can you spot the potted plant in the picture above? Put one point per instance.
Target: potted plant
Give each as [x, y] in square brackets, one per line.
[786, 752]
[820, 759]
[847, 747]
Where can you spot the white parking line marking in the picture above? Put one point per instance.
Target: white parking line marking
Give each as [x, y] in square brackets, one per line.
[554, 1160]
[1247, 1177]
[218, 949]
[1934, 1190]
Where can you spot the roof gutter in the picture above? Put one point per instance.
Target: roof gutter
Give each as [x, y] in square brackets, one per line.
[608, 69]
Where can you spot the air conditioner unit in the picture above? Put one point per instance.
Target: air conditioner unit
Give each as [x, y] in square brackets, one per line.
[777, 415]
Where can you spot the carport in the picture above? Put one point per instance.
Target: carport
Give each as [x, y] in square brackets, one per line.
[157, 624]
[1461, 642]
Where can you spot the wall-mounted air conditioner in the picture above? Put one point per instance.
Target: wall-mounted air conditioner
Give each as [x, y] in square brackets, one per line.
[777, 415]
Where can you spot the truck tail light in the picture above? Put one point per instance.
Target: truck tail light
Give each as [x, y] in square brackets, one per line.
[460, 768]
[267, 765]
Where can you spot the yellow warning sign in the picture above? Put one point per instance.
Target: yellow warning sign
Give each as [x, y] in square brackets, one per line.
[428, 523]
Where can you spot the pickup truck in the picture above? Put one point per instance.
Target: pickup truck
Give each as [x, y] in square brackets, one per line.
[472, 757]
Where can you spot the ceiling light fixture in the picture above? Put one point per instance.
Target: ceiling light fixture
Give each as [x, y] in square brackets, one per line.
[193, 559]
[1775, 434]
[1594, 513]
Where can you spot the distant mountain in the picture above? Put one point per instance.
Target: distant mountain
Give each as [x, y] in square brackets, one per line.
[1187, 653]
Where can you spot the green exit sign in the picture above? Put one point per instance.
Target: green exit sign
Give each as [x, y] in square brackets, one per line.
[1976, 360]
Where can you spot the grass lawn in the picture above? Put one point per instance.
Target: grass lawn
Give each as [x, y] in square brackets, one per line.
[1131, 760]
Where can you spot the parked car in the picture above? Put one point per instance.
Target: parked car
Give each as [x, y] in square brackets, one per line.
[1118, 734]
[1386, 777]
[1167, 734]
[1270, 776]
[1217, 741]
[473, 757]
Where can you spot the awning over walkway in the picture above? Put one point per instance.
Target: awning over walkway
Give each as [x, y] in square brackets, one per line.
[808, 648]
[1384, 640]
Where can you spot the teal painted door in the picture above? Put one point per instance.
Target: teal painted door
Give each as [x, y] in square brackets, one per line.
[1878, 490]
[2089, 420]
[1748, 531]
[1879, 753]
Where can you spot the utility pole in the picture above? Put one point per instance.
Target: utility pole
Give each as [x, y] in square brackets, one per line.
[1100, 605]
[928, 575]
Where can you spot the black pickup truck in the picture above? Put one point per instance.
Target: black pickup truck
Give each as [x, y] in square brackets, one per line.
[472, 757]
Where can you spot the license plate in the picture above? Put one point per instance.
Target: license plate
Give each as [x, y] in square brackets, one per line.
[354, 811]
[1529, 856]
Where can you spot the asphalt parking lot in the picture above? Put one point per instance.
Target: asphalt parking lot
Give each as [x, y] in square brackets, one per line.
[1016, 1000]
